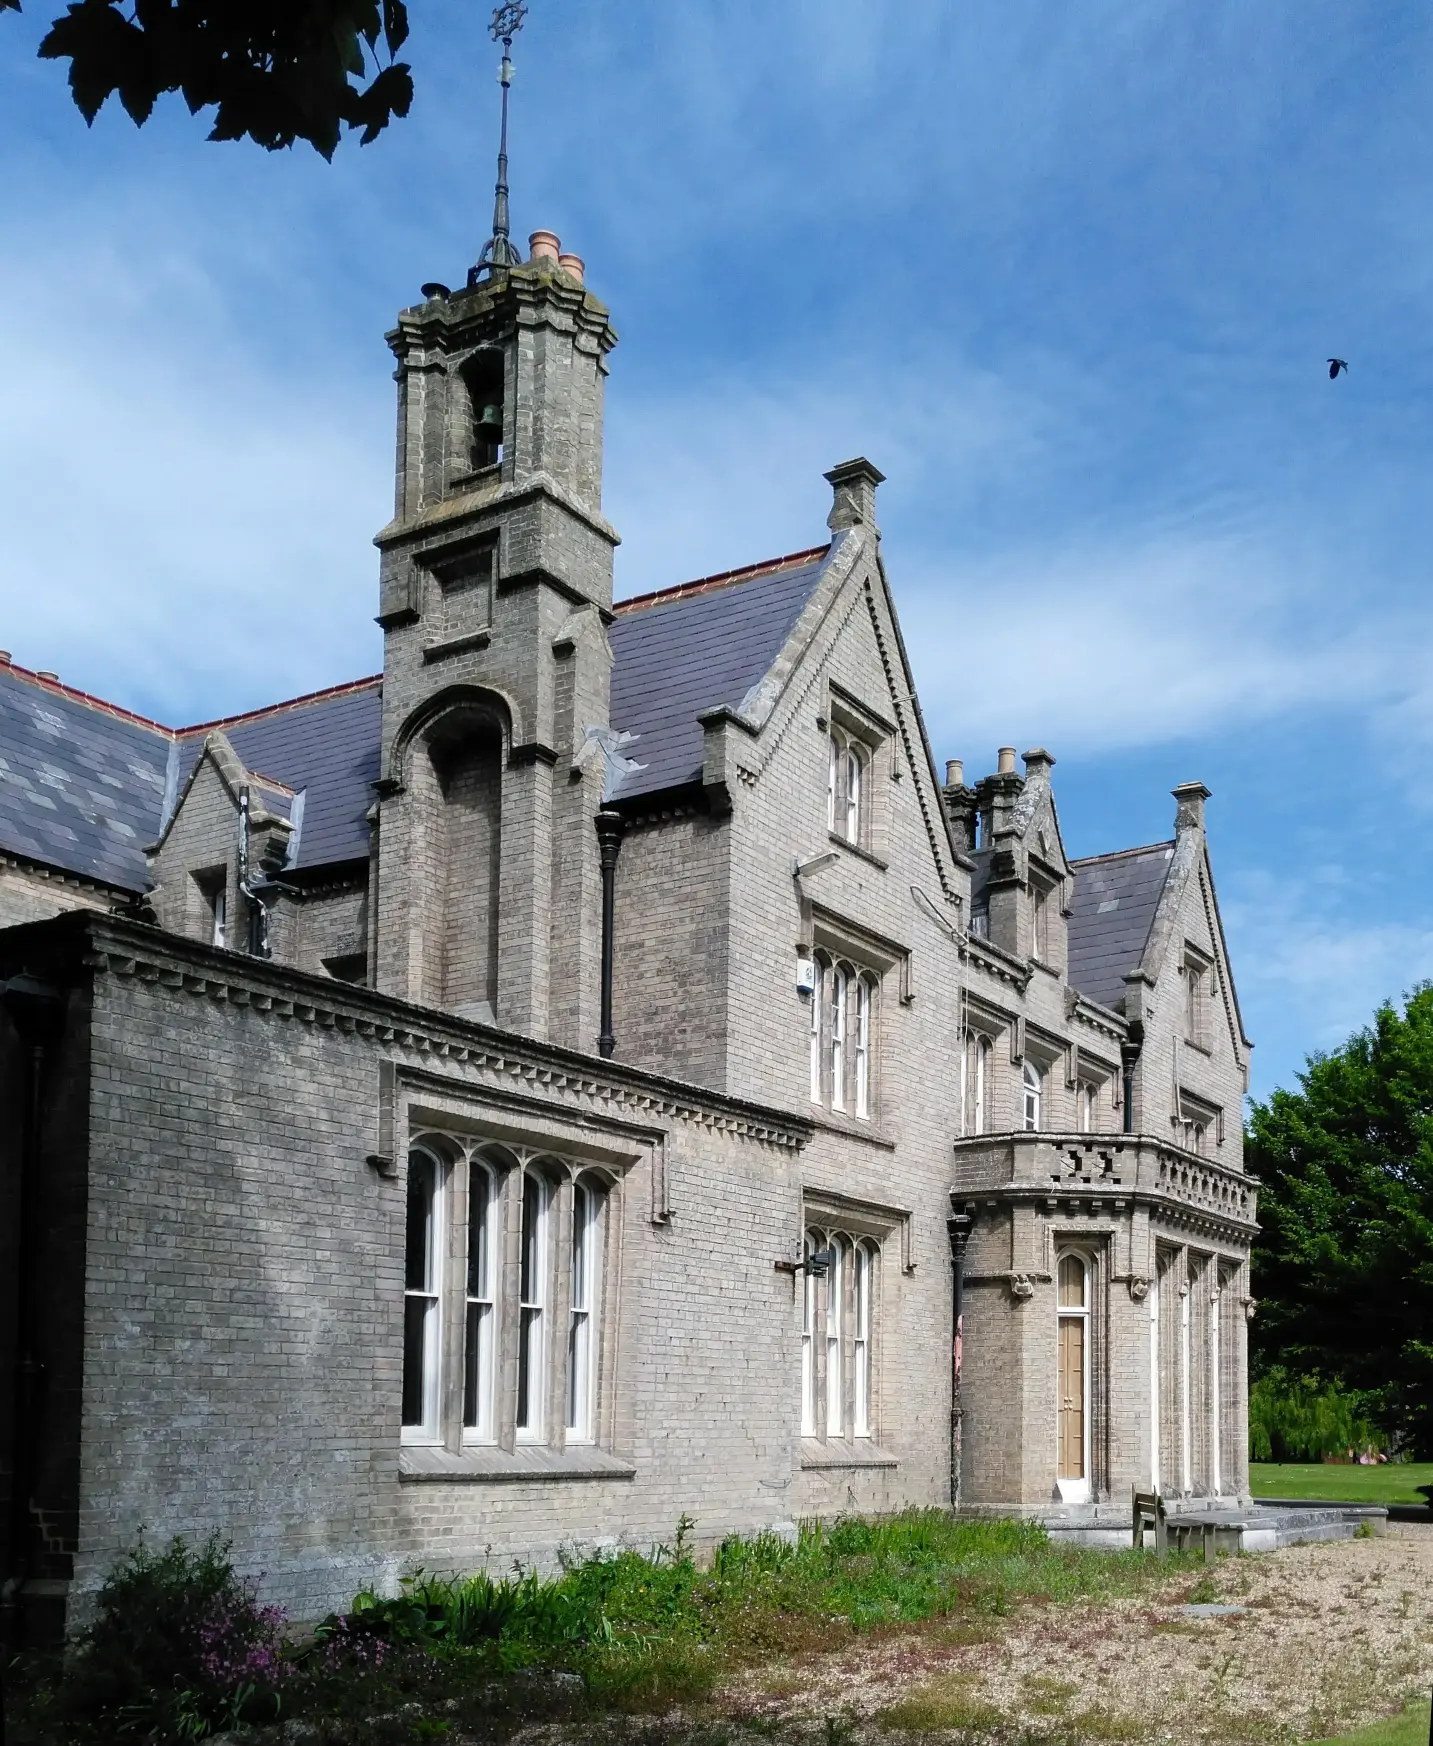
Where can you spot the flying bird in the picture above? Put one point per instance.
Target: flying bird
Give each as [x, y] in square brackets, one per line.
[1335, 365]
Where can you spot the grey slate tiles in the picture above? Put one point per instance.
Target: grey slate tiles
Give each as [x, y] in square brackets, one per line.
[678, 656]
[327, 747]
[1115, 900]
[80, 788]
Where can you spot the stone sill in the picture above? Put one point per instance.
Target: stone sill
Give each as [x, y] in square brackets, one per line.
[844, 1452]
[856, 849]
[419, 1462]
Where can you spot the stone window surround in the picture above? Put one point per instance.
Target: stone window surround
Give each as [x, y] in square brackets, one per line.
[511, 1170]
[569, 1147]
[852, 726]
[885, 1232]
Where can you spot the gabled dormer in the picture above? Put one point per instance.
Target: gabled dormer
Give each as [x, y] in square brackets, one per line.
[227, 836]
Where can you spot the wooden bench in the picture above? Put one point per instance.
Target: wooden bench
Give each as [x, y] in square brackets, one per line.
[1149, 1513]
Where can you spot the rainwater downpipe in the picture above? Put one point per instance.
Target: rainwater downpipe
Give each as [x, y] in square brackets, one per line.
[35, 1010]
[1129, 1059]
[611, 827]
[958, 1227]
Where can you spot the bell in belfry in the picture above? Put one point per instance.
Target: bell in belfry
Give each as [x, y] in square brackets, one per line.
[489, 427]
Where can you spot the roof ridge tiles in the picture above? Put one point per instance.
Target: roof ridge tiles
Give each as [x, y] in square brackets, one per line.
[225, 721]
[87, 697]
[722, 578]
[118, 710]
[1119, 854]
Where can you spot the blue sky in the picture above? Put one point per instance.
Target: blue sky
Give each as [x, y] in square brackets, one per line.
[1068, 275]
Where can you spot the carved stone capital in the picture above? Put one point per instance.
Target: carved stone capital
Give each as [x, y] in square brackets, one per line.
[1139, 1286]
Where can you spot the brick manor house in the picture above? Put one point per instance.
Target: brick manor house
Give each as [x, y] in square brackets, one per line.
[591, 1070]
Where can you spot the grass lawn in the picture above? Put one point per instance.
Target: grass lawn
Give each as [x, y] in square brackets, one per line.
[1391, 1484]
[1409, 1729]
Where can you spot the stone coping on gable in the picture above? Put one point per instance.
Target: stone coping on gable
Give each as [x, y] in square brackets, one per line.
[117, 946]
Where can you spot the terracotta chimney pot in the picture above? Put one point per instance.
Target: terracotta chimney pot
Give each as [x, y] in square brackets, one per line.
[545, 246]
[1005, 761]
[955, 772]
[573, 264]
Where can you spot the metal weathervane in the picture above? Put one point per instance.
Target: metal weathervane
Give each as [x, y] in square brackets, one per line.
[498, 250]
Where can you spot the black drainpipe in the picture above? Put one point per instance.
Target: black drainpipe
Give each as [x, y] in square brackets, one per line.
[1129, 1056]
[35, 1010]
[610, 829]
[958, 1227]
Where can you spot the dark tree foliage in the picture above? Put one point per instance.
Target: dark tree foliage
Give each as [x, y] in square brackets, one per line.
[1343, 1269]
[274, 70]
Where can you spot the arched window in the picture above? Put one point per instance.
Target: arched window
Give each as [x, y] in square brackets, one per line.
[847, 764]
[840, 991]
[842, 1036]
[861, 1063]
[1085, 1106]
[818, 1011]
[422, 1293]
[532, 1304]
[581, 1338]
[1072, 1276]
[979, 1083]
[809, 1246]
[835, 1308]
[1032, 1088]
[480, 1313]
[861, 1343]
[838, 1309]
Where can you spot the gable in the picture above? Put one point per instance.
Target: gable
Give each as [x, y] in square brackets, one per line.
[326, 747]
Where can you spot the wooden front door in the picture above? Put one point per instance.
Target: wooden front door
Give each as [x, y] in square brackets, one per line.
[1072, 1397]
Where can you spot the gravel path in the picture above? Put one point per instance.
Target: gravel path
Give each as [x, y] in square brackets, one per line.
[1333, 1636]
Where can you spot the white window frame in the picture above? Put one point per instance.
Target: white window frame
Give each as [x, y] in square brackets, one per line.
[835, 1339]
[838, 1356]
[532, 1306]
[584, 1296]
[1032, 1096]
[480, 1308]
[1073, 1488]
[848, 768]
[843, 1033]
[861, 1341]
[840, 1014]
[427, 1291]
[980, 1099]
[808, 1334]
[818, 1022]
[1086, 1096]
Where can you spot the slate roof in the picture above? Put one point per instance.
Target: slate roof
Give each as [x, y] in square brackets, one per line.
[694, 648]
[325, 745]
[81, 784]
[1115, 900]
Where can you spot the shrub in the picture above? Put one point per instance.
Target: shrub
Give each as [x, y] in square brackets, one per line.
[179, 1647]
[1303, 1418]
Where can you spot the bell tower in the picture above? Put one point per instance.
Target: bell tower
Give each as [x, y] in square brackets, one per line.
[495, 594]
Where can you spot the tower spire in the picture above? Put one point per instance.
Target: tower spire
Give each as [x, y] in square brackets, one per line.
[498, 250]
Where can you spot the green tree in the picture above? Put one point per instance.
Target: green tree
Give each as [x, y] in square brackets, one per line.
[275, 71]
[1343, 1268]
